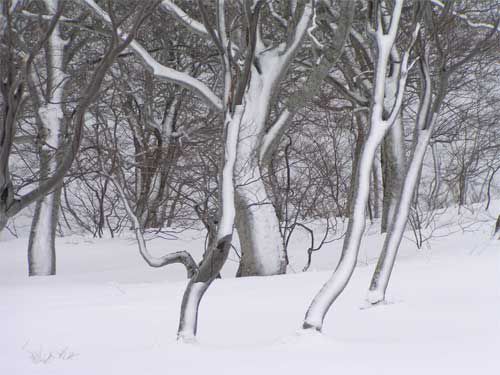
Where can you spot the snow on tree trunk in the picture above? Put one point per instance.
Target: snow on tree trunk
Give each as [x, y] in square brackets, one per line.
[426, 119]
[393, 153]
[393, 172]
[361, 189]
[216, 255]
[41, 248]
[377, 188]
[385, 264]
[356, 226]
[262, 251]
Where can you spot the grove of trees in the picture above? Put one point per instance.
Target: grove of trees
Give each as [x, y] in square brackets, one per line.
[251, 116]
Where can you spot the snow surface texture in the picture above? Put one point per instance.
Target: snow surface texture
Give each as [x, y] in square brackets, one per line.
[107, 312]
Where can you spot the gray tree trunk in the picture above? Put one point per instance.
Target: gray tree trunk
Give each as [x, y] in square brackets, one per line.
[393, 169]
[41, 247]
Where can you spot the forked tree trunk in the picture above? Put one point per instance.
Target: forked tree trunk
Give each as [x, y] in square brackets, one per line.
[361, 182]
[262, 252]
[430, 104]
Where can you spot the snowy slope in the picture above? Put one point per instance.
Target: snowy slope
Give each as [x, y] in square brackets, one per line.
[107, 312]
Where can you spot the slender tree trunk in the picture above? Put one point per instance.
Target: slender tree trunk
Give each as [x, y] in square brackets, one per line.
[425, 121]
[385, 264]
[361, 185]
[377, 188]
[217, 253]
[393, 167]
[356, 226]
[497, 228]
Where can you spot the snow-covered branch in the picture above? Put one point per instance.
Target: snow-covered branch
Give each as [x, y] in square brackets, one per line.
[177, 257]
[162, 71]
[467, 19]
[184, 18]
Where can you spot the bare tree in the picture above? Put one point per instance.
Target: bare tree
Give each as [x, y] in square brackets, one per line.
[380, 123]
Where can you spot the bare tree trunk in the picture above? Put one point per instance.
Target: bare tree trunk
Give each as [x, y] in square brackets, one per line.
[393, 167]
[430, 104]
[497, 228]
[41, 246]
[377, 188]
[262, 251]
[378, 128]
[50, 118]
[217, 253]
[385, 264]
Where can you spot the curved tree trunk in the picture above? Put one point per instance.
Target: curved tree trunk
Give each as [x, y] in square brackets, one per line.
[385, 264]
[361, 183]
[356, 226]
[216, 255]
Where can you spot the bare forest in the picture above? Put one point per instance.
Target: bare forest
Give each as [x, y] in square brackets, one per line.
[273, 130]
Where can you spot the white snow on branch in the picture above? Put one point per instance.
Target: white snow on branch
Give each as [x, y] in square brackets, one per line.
[162, 71]
[183, 17]
[466, 18]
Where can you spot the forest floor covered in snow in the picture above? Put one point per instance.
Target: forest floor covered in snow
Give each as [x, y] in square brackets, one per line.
[107, 312]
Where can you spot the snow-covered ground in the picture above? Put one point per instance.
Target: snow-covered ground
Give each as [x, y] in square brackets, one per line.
[107, 312]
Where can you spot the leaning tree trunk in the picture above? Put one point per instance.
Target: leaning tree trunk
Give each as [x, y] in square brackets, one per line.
[393, 167]
[216, 255]
[385, 264]
[426, 119]
[361, 182]
[356, 226]
[377, 188]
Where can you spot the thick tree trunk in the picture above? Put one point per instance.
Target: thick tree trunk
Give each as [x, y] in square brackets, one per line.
[258, 230]
[41, 247]
[256, 220]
